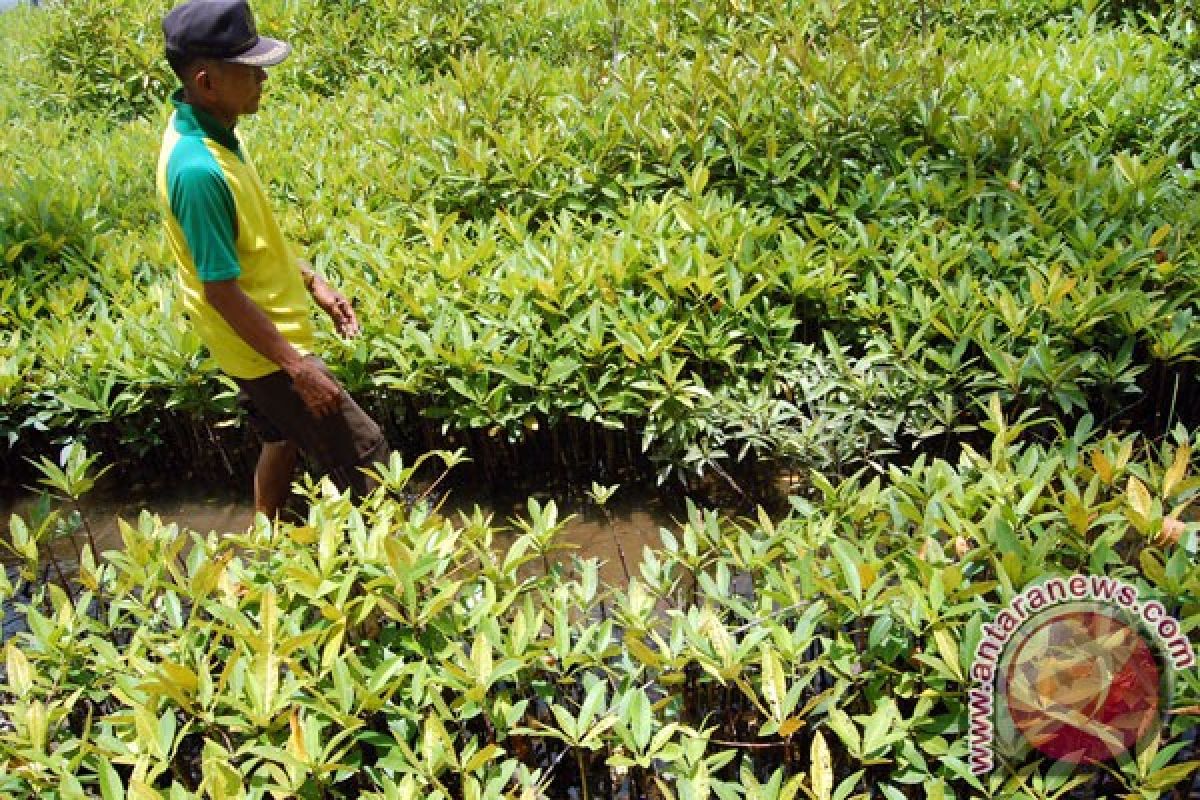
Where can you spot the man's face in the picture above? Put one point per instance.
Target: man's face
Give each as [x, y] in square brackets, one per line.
[231, 90]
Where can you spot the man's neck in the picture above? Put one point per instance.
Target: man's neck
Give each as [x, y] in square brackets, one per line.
[228, 122]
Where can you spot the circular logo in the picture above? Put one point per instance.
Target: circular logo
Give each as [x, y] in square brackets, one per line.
[1082, 685]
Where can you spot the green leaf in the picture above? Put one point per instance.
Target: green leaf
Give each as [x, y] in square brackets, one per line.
[774, 687]
[20, 676]
[1172, 776]
[482, 757]
[948, 650]
[849, 560]
[841, 724]
[847, 785]
[111, 787]
[641, 721]
[1138, 497]
[878, 726]
[822, 768]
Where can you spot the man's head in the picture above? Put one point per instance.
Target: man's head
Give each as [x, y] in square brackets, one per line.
[214, 48]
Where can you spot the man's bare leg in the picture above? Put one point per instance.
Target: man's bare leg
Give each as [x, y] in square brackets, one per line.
[273, 476]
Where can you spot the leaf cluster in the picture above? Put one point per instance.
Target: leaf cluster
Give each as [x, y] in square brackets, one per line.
[377, 652]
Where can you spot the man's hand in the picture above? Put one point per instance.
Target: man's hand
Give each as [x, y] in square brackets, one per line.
[333, 303]
[319, 392]
[330, 300]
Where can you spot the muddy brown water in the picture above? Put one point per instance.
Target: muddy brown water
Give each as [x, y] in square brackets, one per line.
[631, 525]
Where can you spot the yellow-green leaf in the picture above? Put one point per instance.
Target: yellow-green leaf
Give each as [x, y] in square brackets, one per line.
[1160, 235]
[1177, 470]
[36, 723]
[140, 791]
[641, 652]
[822, 768]
[948, 650]
[482, 757]
[267, 661]
[221, 781]
[296, 746]
[180, 676]
[1102, 466]
[774, 688]
[790, 726]
[1138, 496]
[20, 677]
[481, 657]
[111, 787]
[1173, 775]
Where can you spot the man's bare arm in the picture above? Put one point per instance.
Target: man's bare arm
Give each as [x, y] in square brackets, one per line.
[329, 300]
[320, 393]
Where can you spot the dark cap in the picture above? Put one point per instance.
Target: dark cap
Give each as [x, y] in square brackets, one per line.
[220, 29]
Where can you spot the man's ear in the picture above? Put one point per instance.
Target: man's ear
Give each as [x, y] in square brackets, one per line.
[202, 77]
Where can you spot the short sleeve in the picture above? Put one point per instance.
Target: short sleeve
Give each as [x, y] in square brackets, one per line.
[203, 204]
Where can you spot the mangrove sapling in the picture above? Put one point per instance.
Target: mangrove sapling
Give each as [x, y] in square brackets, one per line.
[600, 495]
[726, 674]
[540, 531]
[582, 731]
[72, 478]
[814, 286]
[30, 546]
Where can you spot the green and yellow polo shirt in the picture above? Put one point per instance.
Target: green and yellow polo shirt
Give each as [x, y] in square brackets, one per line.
[221, 227]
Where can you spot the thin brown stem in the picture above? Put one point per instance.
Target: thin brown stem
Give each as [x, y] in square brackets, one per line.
[583, 781]
[87, 528]
[749, 745]
[62, 579]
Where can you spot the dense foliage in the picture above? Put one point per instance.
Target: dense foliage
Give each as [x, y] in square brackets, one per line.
[377, 653]
[695, 231]
[942, 253]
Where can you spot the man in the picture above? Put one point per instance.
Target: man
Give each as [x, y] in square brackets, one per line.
[243, 288]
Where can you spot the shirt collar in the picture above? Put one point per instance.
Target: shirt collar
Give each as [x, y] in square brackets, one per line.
[193, 121]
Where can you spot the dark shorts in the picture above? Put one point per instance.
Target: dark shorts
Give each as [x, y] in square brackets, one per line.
[339, 443]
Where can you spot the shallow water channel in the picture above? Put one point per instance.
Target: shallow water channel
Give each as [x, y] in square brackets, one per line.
[633, 523]
[616, 540]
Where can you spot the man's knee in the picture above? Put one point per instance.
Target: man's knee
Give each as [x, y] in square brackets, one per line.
[280, 453]
[282, 447]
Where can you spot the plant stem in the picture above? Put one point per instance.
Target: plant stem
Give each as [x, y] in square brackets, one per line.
[62, 579]
[583, 782]
[612, 529]
[433, 486]
[1171, 411]
[101, 606]
[87, 528]
[616, 38]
